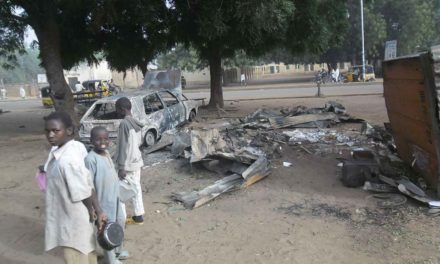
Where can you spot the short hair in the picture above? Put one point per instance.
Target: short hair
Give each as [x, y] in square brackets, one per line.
[124, 103]
[62, 116]
[96, 130]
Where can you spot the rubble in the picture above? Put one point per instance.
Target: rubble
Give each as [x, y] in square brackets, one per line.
[240, 151]
[387, 200]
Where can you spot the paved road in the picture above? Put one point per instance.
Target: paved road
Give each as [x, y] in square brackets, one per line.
[241, 93]
[21, 105]
[291, 91]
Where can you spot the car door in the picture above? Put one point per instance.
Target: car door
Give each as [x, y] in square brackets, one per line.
[175, 108]
[157, 115]
[136, 108]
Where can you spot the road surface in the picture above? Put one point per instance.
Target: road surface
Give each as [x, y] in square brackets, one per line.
[242, 93]
[289, 92]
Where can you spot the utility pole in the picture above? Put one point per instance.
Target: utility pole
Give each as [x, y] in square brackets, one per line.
[363, 40]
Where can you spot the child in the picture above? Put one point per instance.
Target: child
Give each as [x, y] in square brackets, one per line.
[128, 155]
[106, 182]
[69, 194]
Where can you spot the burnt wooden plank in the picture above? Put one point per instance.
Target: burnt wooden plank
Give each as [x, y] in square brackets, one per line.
[409, 99]
[412, 105]
[403, 69]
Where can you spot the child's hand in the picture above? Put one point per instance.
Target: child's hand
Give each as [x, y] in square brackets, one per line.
[102, 219]
[92, 216]
[122, 174]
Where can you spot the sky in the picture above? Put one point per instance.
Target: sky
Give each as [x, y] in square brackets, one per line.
[29, 36]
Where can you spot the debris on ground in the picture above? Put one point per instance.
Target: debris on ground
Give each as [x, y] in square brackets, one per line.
[240, 151]
[287, 164]
[387, 200]
[226, 151]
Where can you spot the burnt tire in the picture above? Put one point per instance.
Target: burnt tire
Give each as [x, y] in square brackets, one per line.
[192, 116]
[150, 138]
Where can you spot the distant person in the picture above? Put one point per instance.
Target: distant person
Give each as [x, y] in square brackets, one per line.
[356, 75]
[106, 183]
[337, 74]
[22, 93]
[78, 87]
[183, 81]
[243, 79]
[128, 156]
[332, 74]
[3, 93]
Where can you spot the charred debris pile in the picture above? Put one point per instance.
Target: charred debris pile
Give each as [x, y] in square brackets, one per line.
[241, 150]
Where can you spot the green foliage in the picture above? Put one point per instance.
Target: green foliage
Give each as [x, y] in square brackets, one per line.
[27, 66]
[316, 26]
[412, 23]
[241, 60]
[231, 25]
[74, 27]
[134, 32]
[180, 57]
[11, 34]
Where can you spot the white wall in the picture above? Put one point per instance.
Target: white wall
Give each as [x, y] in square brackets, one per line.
[85, 72]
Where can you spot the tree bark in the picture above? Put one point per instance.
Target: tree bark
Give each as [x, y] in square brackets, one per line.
[144, 68]
[48, 35]
[215, 70]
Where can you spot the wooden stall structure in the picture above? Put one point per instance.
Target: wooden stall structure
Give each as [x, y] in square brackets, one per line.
[411, 97]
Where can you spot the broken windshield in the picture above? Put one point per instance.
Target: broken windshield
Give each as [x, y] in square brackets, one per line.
[104, 111]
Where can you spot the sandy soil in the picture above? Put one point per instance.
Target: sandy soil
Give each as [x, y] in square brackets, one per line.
[299, 214]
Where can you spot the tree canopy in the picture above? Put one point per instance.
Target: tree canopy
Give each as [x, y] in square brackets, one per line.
[413, 23]
[130, 34]
[25, 68]
[134, 32]
[217, 30]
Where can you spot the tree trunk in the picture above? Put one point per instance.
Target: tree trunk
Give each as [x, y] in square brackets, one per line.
[215, 70]
[49, 41]
[329, 67]
[144, 68]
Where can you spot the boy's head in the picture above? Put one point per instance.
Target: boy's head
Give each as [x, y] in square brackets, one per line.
[99, 139]
[123, 107]
[59, 128]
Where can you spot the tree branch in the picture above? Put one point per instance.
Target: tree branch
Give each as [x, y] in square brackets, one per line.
[19, 18]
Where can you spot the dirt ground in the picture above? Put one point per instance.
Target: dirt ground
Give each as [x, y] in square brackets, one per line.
[298, 214]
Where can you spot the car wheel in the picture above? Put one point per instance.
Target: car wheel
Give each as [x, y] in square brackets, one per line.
[192, 116]
[150, 138]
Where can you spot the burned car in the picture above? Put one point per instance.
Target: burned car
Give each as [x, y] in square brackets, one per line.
[159, 111]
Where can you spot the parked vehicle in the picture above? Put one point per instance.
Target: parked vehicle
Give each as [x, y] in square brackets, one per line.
[105, 86]
[45, 97]
[157, 110]
[94, 90]
[322, 76]
[354, 74]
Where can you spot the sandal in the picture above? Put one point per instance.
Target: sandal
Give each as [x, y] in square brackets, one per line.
[131, 221]
[123, 255]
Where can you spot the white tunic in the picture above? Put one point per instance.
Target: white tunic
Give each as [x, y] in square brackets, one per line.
[68, 183]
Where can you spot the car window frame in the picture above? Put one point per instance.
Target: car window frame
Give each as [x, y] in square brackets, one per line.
[164, 102]
[157, 97]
